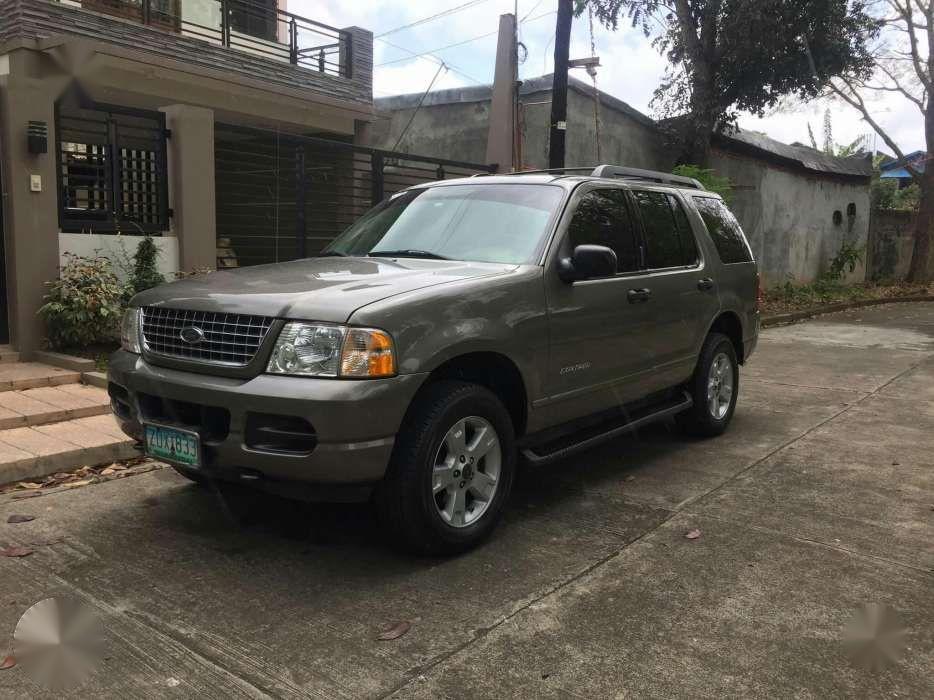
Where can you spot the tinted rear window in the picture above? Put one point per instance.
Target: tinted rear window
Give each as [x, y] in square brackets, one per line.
[724, 230]
[669, 242]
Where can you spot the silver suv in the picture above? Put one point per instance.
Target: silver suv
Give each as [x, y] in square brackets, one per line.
[454, 328]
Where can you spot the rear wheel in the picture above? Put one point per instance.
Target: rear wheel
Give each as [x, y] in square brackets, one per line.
[714, 388]
[451, 471]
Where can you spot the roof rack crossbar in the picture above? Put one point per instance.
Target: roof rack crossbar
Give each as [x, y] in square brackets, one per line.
[618, 171]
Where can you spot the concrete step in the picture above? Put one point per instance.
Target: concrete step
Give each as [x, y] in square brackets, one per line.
[8, 354]
[51, 404]
[29, 375]
[33, 452]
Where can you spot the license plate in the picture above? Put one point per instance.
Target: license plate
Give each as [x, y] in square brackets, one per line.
[173, 445]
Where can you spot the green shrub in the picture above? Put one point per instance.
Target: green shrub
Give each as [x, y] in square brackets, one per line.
[83, 305]
[708, 178]
[145, 273]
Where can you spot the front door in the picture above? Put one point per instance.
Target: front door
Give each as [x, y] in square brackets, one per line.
[597, 358]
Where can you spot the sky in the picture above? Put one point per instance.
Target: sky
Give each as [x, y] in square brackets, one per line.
[631, 68]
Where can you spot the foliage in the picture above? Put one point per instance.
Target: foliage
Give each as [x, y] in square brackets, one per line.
[708, 178]
[846, 260]
[728, 56]
[886, 195]
[83, 305]
[145, 273]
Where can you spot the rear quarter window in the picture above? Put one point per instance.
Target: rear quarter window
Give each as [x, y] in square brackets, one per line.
[724, 230]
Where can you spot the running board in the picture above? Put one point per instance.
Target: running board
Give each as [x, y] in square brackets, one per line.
[667, 411]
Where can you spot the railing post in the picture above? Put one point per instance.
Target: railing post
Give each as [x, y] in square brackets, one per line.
[147, 11]
[321, 64]
[225, 24]
[301, 227]
[376, 182]
[293, 42]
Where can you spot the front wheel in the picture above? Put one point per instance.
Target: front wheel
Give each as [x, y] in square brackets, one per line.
[451, 471]
[714, 388]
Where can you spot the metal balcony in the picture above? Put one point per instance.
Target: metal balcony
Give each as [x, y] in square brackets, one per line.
[257, 27]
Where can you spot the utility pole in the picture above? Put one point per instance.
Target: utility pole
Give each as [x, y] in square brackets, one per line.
[559, 88]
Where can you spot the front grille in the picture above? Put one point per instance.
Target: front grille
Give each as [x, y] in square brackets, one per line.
[228, 339]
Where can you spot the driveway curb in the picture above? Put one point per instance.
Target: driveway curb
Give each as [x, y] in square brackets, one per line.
[794, 316]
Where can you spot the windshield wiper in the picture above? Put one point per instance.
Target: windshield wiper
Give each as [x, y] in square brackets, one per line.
[331, 254]
[407, 253]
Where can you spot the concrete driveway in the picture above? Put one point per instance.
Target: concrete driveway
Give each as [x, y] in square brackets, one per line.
[819, 500]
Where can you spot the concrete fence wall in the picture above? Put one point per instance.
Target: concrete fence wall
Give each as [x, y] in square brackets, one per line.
[890, 245]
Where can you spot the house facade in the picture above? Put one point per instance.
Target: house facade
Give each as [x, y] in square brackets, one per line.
[188, 120]
[797, 205]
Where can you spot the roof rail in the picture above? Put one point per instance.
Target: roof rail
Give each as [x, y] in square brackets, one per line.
[619, 171]
[549, 171]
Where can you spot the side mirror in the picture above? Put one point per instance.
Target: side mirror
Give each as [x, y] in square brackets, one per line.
[587, 262]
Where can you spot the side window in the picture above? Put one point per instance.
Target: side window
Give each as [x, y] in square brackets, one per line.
[662, 241]
[689, 253]
[602, 218]
[724, 229]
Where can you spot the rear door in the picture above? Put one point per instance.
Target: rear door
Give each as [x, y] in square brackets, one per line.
[683, 292]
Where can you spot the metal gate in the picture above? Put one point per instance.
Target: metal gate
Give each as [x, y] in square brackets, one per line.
[281, 197]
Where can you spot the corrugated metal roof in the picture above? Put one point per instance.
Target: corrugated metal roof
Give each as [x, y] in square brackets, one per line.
[809, 158]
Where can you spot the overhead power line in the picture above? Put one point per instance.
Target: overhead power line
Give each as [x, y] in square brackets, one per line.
[454, 45]
[433, 59]
[439, 15]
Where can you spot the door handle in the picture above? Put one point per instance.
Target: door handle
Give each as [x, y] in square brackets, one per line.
[705, 283]
[637, 296]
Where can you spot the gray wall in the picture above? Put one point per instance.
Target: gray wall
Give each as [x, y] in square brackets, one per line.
[788, 216]
[891, 243]
[458, 130]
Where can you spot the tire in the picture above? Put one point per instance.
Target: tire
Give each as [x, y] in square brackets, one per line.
[703, 419]
[418, 502]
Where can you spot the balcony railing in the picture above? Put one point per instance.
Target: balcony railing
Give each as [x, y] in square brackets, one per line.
[258, 27]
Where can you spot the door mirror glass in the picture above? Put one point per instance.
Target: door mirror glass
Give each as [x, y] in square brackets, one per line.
[588, 262]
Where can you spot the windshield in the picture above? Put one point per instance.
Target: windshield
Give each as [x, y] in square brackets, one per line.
[481, 223]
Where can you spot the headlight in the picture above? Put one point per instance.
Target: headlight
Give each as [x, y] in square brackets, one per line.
[129, 331]
[320, 350]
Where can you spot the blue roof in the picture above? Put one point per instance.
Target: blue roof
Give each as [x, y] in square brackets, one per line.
[900, 173]
[898, 168]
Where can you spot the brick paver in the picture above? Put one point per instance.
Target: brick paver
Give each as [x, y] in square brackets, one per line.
[27, 375]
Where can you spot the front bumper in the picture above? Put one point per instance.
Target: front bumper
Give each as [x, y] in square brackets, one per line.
[354, 421]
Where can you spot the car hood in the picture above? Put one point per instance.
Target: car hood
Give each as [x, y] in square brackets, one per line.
[318, 289]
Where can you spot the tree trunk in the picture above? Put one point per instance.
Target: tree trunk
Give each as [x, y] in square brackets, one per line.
[700, 122]
[922, 266]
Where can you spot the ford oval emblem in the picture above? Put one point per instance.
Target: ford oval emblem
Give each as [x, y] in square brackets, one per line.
[192, 335]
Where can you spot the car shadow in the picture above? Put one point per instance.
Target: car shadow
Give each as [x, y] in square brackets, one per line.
[227, 509]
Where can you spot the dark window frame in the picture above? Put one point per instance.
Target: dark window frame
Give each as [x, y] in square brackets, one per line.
[117, 173]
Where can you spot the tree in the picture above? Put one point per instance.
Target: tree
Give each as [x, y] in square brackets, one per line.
[904, 67]
[731, 56]
[831, 147]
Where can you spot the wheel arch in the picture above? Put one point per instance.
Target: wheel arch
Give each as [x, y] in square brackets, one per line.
[729, 324]
[494, 371]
